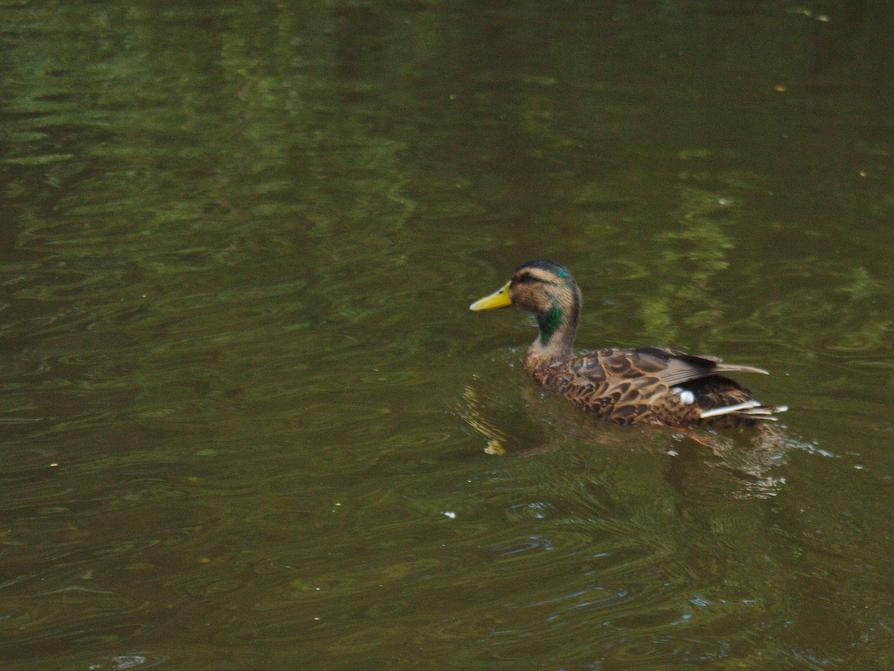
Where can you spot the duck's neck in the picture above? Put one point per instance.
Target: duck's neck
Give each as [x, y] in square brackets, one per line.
[558, 326]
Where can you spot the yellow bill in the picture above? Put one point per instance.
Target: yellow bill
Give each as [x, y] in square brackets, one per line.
[498, 299]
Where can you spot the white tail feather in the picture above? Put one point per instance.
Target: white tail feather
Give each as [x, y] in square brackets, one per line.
[735, 368]
[714, 412]
[752, 409]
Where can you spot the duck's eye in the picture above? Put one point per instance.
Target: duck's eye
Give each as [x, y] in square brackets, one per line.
[527, 279]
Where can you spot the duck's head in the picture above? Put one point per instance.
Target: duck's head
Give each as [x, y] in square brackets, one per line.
[548, 291]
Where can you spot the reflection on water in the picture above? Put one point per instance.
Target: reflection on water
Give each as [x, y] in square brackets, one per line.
[241, 390]
[470, 411]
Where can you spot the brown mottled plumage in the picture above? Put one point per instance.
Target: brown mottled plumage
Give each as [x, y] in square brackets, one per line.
[651, 385]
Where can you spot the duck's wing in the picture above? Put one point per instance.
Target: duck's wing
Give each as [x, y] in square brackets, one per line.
[669, 366]
[620, 385]
[657, 384]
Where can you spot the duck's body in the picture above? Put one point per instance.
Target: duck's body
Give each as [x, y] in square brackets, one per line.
[638, 385]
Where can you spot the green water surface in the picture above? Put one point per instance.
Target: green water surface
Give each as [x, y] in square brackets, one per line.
[247, 420]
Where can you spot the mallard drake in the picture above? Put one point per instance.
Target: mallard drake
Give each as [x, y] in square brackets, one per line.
[642, 385]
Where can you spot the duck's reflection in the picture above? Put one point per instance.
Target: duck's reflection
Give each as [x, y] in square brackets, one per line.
[470, 411]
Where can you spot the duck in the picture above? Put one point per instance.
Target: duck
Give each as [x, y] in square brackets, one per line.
[624, 385]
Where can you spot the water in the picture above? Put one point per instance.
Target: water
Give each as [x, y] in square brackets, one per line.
[246, 414]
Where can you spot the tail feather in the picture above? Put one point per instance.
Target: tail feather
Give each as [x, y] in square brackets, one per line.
[725, 410]
[750, 409]
[764, 410]
[736, 368]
